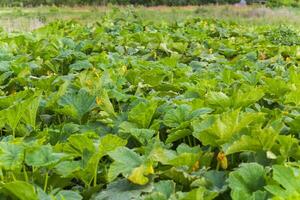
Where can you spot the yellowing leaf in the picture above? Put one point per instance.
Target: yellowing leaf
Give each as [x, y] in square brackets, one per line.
[137, 175]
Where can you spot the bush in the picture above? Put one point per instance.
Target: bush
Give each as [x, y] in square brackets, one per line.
[280, 3]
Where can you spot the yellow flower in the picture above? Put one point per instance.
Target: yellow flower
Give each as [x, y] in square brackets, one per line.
[196, 166]
[222, 160]
[89, 82]
[124, 69]
[99, 101]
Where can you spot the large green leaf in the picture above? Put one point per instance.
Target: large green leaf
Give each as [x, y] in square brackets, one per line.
[109, 143]
[22, 190]
[125, 160]
[162, 190]
[80, 65]
[142, 135]
[31, 109]
[178, 134]
[287, 182]
[219, 129]
[248, 181]
[258, 140]
[78, 103]
[218, 99]
[13, 115]
[78, 145]
[123, 190]
[142, 113]
[243, 99]
[11, 155]
[199, 193]
[68, 168]
[175, 117]
[68, 195]
[42, 156]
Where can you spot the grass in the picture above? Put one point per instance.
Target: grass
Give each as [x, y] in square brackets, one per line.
[26, 19]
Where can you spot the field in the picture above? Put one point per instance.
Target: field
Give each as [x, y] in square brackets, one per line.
[150, 103]
[27, 19]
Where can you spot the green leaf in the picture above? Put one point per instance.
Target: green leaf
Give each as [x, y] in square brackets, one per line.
[184, 159]
[258, 140]
[11, 156]
[80, 65]
[218, 99]
[109, 143]
[104, 103]
[155, 196]
[199, 193]
[68, 195]
[216, 180]
[175, 117]
[78, 145]
[162, 190]
[142, 113]
[288, 146]
[288, 182]
[293, 97]
[31, 110]
[91, 158]
[80, 103]
[276, 86]
[42, 156]
[125, 160]
[7, 101]
[123, 190]
[162, 155]
[68, 168]
[13, 115]
[247, 181]
[142, 135]
[22, 190]
[54, 97]
[178, 134]
[165, 187]
[244, 99]
[219, 129]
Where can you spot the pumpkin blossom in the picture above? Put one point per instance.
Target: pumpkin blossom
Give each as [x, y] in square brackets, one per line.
[222, 160]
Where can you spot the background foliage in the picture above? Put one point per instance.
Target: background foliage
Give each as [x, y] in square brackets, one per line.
[271, 3]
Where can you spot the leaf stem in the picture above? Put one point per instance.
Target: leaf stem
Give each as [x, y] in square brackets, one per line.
[95, 175]
[1, 175]
[190, 141]
[13, 176]
[25, 173]
[46, 182]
